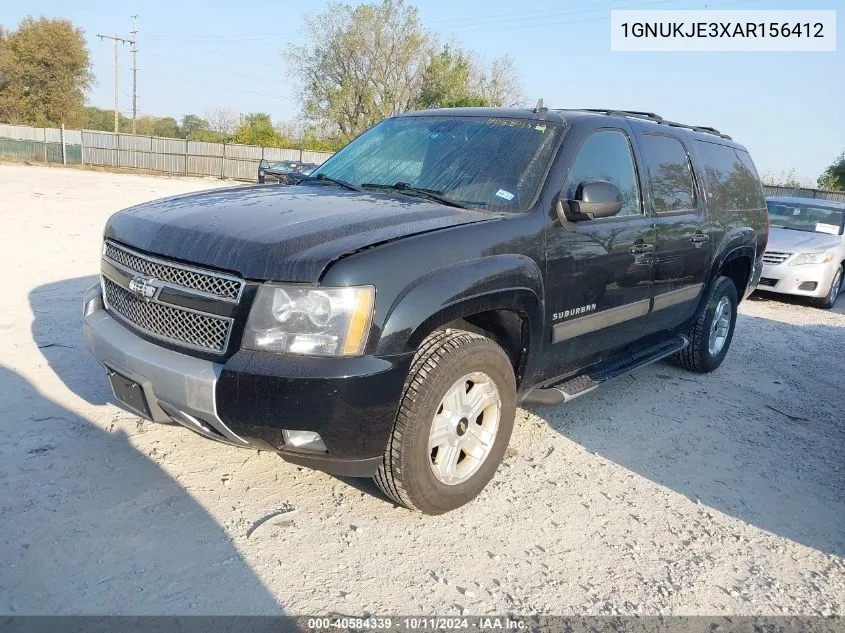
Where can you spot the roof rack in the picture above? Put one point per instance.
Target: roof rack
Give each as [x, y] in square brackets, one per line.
[637, 114]
[651, 116]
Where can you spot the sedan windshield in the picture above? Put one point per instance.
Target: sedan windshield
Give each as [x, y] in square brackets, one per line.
[484, 162]
[805, 217]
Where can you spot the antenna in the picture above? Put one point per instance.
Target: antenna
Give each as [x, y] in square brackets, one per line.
[540, 108]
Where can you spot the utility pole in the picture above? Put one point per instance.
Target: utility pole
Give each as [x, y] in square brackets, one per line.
[117, 40]
[134, 42]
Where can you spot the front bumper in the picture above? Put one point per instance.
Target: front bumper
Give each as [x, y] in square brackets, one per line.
[248, 400]
[786, 279]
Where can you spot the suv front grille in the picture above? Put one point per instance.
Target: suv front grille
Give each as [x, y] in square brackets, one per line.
[775, 257]
[185, 306]
[186, 327]
[177, 274]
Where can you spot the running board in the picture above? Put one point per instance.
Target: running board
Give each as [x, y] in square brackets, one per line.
[571, 388]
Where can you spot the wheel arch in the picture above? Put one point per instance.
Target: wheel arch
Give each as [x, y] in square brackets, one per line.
[499, 296]
[737, 264]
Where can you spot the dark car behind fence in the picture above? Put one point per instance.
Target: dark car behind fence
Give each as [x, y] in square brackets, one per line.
[149, 153]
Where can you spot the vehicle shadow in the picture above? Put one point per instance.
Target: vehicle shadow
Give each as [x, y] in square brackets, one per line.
[91, 524]
[54, 306]
[767, 449]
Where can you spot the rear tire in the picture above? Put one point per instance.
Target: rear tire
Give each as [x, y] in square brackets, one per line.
[712, 332]
[829, 301]
[450, 365]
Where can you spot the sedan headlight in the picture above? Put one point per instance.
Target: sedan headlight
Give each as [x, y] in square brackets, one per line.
[811, 258]
[310, 321]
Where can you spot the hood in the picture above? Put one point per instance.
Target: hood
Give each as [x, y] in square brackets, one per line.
[267, 232]
[789, 240]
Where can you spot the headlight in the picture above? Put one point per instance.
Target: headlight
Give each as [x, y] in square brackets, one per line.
[310, 321]
[812, 258]
[260, 172]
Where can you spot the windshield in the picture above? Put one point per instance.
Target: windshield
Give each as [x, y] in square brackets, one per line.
[805, 217]
[485, 162]
[284, 166]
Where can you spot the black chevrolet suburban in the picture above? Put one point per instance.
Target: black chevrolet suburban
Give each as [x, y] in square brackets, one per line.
[386, 315]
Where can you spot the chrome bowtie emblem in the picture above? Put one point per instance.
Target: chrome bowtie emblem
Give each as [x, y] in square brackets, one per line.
[143, 287]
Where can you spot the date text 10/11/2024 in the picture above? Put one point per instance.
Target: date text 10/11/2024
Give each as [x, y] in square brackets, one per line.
[416, 623]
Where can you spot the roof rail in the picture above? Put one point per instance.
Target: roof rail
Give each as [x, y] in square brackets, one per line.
[631, 113]
[656, 118]
[699, 128]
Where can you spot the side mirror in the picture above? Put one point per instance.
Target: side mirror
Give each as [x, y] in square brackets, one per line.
[263, 164]
[593, 199]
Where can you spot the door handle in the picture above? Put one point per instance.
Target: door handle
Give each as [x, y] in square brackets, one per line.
[641, 249]
[699, 238]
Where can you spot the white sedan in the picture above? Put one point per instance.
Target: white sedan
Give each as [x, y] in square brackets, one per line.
[806, 251]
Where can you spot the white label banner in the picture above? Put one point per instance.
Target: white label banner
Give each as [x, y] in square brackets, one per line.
[706, 30]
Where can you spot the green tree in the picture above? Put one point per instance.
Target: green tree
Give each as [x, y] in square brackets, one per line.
[257, 129]
[833, 177]
[360, 64]
[145, 125]
[45, 72]
[166, 126]
[446, 81]
[191, 124]
[208, 136]
[103, 120]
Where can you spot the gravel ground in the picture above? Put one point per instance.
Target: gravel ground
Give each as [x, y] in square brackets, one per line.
[665, 492]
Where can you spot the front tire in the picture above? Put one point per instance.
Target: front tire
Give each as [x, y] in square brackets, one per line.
[829, 301]
[454, 423]
[713, 330]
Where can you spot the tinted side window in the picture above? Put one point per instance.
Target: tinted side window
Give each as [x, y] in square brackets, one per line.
[607, 155]
[757, 199]
[730, 184]
[669, 173]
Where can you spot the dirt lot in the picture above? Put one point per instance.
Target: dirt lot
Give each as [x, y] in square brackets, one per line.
[665, 492]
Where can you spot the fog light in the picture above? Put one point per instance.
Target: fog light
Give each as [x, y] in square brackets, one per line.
[304, 440]
[808, 285]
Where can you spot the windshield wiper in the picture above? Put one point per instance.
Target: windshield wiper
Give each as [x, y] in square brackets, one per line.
[335, 181]
[431, 194]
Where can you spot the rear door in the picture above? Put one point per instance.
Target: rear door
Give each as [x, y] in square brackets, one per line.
[682, 245]
[598, 272]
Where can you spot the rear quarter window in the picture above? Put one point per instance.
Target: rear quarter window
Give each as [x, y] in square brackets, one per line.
[669, 173]
[730, 178]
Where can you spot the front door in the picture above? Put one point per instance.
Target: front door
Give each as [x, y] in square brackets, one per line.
[598, 272]
[682, 249]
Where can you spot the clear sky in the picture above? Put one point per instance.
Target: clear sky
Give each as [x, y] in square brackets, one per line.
[787, 108]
